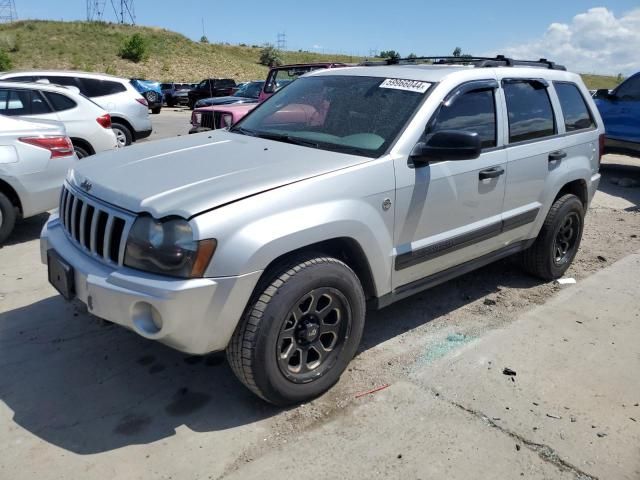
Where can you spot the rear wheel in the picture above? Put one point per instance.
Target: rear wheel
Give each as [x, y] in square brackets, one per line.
[156, 110]
[558, 241]
[123, 134]
[300, 332]
[80, 152]
[7, 217]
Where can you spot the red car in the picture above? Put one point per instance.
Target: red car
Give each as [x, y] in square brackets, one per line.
[224, 116]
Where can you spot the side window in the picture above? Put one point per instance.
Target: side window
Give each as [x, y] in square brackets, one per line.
[16, 102]
[92, 87]
[574, 109]
[630, 89]
[66, 81]
[21, 78]
[60, 102]
[473, 111]
[530, 111]
[39, 105]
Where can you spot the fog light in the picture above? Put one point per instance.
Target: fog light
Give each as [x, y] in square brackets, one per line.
[146, 319]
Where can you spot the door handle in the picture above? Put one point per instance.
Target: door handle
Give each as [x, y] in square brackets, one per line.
[494, 172]
[555, 156]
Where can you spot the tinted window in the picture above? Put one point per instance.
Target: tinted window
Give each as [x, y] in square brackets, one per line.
[530, 111]
[471, 112]
[630, 89]
[66, 81]
[60, 102]
[38, 104]
[574, 109]
[14, 102]
[166, 86]
[225, 83]
[21, 79]
[92, 87]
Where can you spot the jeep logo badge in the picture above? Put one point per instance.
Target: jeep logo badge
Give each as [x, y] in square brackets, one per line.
[86, 185]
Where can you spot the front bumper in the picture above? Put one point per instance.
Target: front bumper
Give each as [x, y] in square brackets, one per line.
[195, 316]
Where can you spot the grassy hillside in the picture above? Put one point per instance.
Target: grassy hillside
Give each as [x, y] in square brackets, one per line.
[172, 56]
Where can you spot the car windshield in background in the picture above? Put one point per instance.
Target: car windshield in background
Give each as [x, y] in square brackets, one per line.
[360, 115]
[249, 90]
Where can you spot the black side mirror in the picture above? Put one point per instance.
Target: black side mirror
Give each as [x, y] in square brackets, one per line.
[603, 93]
[447, 145]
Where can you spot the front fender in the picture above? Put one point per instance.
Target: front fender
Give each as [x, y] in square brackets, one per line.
[254, 232]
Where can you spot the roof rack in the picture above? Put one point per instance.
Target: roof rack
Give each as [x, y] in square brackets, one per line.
[478, 62]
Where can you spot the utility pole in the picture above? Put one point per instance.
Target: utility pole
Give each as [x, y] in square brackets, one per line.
[282, 41]
[8, 11]
[125, 11]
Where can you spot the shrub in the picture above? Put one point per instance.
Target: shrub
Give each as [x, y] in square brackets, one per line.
[204, 39]
[134, 49]
[5, 61]
[270, 56]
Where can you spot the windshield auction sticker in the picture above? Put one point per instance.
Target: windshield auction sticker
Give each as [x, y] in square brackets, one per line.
[407, 85]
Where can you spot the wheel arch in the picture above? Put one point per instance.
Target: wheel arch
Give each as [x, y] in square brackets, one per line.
[11, 194]
[576, 187]
[117, 119]
[83, 144]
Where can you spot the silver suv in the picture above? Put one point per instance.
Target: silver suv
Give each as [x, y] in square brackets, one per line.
[351, 188]
[128, 109]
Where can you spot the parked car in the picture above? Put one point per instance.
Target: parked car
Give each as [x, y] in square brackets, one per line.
[176, 93]
[86, 123]
[128, 109]
[351, 187]
[620, 110]
[211, 87]
[247, 93]
[34, 159]
[151, 91]
[218, 116]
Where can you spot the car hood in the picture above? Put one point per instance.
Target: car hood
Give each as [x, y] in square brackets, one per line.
[188, 175]
[227, 100]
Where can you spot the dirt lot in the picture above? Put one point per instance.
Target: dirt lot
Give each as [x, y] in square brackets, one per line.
[78, 395]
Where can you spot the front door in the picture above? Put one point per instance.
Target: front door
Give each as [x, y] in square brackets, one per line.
[448, 213]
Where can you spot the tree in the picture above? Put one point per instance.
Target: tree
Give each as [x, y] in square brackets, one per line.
[457, 52]
[619, 78]
[389, 54]
[5, 61]
[412, 55]
[270, 56]
[204, 39]
[135, 48]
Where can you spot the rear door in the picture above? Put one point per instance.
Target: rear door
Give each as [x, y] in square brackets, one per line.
[622, 113]
[534, 151]
[448, 213]
[25, 103]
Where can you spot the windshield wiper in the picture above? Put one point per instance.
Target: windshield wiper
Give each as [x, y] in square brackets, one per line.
[243, 131]
[279, 137]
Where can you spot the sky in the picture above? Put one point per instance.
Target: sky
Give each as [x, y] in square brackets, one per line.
[601, 37]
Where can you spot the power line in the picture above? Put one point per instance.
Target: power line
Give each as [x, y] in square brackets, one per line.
[282, 41]
[95, 10]
[124, 11]
[8, 11]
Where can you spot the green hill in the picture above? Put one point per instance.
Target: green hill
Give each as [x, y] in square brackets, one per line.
[172, 56]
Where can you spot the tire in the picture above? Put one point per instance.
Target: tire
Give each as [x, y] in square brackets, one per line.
[156, 110]
[7, 217]
[270, 341]
[123, 134]
[151, 96]
[80, 151]
[171, 102]
[558, 241]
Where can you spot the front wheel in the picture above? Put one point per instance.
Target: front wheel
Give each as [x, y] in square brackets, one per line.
[7, 217]
[300, 332]
[558, 241]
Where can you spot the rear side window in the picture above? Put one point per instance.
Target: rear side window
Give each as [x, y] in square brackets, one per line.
[472, 112]
[630, 89]
[225, 83]
[22, 102]
[66, 81]
[530, 111]
[92, 87]
[576, 113]
[59, 102]
[21, 79]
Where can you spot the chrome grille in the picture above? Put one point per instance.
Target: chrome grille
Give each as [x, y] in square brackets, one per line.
[97, 228]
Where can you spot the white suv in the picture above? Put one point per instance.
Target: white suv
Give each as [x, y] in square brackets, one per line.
[350, 187]
[128, 109]
[88, 124]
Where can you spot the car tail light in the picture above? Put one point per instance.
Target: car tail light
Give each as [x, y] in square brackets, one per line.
[601, 148]
[58, 146]
[142, 101]
[104, 121]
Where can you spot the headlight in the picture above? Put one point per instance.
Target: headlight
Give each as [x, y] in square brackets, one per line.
[196, 118]
[168, 248]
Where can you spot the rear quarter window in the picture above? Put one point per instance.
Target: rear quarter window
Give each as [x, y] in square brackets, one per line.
[60, 102]
[92, 87]
[575, 111]
[530, 111]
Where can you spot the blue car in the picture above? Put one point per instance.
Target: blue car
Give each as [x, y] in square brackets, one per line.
[620, 111]
[151, 91]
